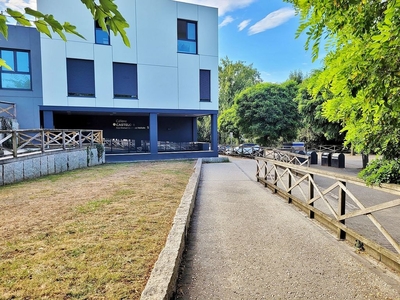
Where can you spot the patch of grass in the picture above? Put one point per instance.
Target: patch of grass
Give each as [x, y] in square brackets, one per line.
[87, 234]
[93, 205]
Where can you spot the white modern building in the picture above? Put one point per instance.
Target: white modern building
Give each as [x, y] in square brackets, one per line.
[146, 98]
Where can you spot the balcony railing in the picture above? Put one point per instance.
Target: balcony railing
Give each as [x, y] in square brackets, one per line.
[17, 143]
[8, 110]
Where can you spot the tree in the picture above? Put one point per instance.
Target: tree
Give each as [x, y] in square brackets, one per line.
[315, 128]
[234, 77]
[204, 129]
[227, 123]
[297, 76]
[268, 113]
[361, 70]
[105, 12]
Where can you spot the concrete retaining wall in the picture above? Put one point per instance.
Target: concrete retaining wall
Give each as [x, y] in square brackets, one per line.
[34, 166]
[164, 276]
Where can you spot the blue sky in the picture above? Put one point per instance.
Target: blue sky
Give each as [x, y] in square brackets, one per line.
[258, 32]
[262, 33]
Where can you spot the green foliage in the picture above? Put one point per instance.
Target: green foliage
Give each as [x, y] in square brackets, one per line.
[233, 78]
[381, 171]
[204, 129]
[361, 69]
[105, 13]
[316, 129]
[297, 76]
[268, 113]
[100, 151]
[227, 123]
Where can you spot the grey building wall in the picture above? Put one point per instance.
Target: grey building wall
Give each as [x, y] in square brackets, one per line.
[27, 101]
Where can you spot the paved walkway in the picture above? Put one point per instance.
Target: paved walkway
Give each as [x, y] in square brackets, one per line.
[246, 243]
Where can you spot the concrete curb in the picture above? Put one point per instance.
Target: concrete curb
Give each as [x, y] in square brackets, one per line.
[164, 276]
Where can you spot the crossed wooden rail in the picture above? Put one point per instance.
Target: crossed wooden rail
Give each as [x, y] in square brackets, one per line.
[8, 110]
[297, 184]
[286, 156]
[15, 143]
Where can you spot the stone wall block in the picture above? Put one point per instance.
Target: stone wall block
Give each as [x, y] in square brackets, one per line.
[44, 168]
[1, 175]
[51, 164]
[8, 173]
[27, 166]
[18, 171]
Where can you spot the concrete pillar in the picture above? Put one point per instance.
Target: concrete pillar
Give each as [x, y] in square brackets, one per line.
[48, 119]
[214, 132]
[153, 133]
[194, 129]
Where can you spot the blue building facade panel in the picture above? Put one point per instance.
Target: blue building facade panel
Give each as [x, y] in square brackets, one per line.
[27, 100]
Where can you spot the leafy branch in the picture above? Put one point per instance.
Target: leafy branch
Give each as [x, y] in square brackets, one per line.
[106, 14]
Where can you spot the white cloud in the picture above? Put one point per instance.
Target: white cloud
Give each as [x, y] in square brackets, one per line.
[224, 6]
[272, 20]
[17, 4]
[226, 21]
[265, 75]
[243, 24]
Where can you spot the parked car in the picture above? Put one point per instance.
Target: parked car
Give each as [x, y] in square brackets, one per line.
[247, 149]
[228, 150]
[221, 149]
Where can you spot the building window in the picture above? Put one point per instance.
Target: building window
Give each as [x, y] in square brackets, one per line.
[205, 85]
[187, 37]
[125, 80]
[101, 37]
[20, 75]
[80, 78]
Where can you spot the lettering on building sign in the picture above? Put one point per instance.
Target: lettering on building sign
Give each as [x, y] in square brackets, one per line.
[124, 124]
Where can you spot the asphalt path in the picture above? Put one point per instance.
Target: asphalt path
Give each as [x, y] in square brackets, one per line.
[247, 243]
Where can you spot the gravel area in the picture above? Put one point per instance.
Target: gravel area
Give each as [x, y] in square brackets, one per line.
[246, 243]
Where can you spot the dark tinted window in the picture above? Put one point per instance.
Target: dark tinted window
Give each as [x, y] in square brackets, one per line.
[80, 78]
[205, 85]
[187, 36]
[125, 80]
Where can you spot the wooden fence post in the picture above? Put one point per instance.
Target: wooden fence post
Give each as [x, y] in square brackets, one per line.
[80, 138]
[311, 195]
[64, 145]
[15, 143]
[42, 140]
[290, 185]
[342, 211]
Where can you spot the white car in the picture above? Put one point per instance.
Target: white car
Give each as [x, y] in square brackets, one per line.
[247, 149]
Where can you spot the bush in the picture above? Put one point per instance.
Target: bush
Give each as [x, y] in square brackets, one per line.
[381, 171]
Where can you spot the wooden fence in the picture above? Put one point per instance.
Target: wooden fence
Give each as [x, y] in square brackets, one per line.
[334, 199]
[16, 143]
[8, 110]
[286, 156]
